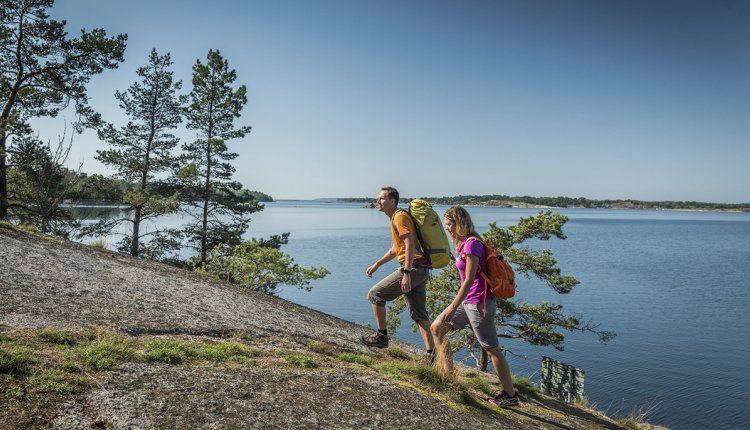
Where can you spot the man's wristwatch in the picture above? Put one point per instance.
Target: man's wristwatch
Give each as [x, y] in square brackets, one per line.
[407, 271]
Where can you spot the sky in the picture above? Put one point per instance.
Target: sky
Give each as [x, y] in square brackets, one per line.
[603, 99]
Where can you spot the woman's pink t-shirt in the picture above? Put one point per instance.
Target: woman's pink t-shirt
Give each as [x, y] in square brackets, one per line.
[473, 246]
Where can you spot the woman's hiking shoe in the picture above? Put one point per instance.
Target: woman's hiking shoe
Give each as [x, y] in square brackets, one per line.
[504, 400]
[377, 340]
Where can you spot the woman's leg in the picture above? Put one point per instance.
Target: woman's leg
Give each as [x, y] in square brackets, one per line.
[502, 369]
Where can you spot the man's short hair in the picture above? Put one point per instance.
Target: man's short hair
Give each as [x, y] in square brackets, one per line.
[391, 193]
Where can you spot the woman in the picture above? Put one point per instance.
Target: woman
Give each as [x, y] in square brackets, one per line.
[467, 307]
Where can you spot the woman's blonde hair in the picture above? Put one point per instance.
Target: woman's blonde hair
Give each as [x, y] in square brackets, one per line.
[462, 220]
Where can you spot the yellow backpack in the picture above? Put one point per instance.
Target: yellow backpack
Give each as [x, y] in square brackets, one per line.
[430, 233]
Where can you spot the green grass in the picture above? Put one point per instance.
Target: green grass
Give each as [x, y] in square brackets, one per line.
[629, 423]
[482, 385]
[167, 351]
[16, 360]
[223, 351]
[301, 360]
[55, 381]
[15, 392]
[525, 386]
[58, 361]
[59, 337]
[351, 357]
[106, 351]
[411, 371]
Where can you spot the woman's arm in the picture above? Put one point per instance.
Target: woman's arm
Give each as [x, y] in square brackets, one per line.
[472, 263]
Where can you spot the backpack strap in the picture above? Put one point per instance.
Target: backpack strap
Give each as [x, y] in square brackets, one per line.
[418, 234]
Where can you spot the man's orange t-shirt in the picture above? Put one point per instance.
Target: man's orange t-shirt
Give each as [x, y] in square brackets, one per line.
[404, 225]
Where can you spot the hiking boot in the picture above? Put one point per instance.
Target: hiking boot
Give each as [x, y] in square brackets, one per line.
[377, 340]
[504, 400]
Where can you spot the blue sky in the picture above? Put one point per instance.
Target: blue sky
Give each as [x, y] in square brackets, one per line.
[600, 99]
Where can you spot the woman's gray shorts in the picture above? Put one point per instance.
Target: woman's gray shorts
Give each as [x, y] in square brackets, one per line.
[483, 327]
[390, 288]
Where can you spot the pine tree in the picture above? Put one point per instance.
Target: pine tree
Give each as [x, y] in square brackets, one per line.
[142, 149]
[42, 71]
[219, 206]
[40, 184]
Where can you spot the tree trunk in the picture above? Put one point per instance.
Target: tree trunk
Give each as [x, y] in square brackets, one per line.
[136, 231]
[3, 181]
[206, 197]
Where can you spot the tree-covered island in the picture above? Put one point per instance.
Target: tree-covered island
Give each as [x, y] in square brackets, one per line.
[497, 200]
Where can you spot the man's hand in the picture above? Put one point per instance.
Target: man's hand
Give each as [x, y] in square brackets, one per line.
[405, 283]
[370, 270]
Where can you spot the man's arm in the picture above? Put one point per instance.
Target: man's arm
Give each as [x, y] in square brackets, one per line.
[388, 256]
[408, 262]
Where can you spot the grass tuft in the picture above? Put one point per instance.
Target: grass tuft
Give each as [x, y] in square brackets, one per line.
[16, 360]
[482, 385]
[321, 347]
[351, 357]
[224, 351]
[525, 386]
[106, 351]
[413, 371]
[58, 337]
[166, 351]
[53, 381]
[301, 361]
[15, 392]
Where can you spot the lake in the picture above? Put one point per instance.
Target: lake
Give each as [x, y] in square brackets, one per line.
[674, 286]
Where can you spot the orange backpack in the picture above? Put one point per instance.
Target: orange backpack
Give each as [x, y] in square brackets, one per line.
[500, 278]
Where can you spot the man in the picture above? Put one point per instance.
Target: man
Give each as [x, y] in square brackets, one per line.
[410, 279]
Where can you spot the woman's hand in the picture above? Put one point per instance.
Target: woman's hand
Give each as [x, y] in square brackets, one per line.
[448, 313]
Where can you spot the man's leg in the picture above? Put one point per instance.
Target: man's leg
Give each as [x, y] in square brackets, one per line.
[379, 312]
[424, 330]
[417, 301]
[386, 290]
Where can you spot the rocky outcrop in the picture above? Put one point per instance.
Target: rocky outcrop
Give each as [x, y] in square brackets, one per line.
[68, 285]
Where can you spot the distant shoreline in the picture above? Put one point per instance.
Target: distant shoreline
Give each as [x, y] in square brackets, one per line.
[527, 202]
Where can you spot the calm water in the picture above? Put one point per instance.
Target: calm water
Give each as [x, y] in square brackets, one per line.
[675, 286]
